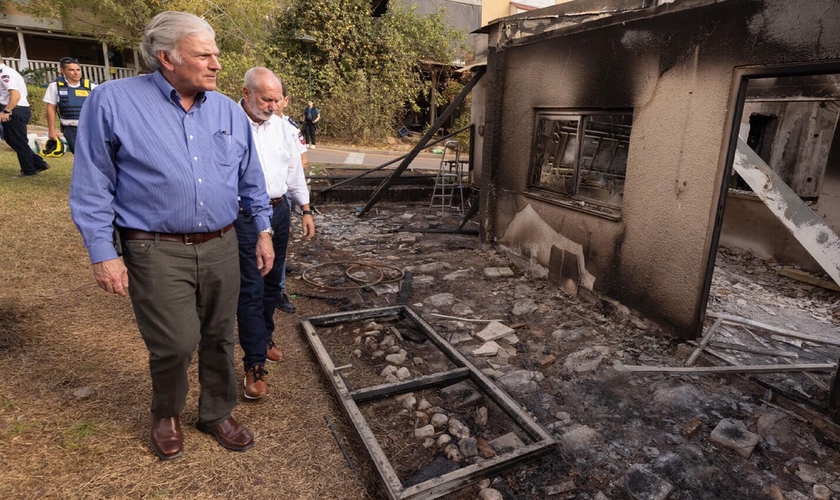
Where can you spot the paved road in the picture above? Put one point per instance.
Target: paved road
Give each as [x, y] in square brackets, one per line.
[371, 158]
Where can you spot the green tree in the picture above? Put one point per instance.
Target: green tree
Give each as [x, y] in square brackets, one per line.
[365, 70]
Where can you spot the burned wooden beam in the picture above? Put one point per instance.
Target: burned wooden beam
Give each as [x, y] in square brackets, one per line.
[479, 72]
[738, 320]
[415, 384]
[706, 339]
[816, 237]
[701, 370]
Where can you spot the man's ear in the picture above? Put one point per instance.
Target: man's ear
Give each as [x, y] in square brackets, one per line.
[166, 60]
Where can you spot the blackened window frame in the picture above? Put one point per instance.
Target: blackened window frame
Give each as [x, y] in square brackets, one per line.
[575, 200]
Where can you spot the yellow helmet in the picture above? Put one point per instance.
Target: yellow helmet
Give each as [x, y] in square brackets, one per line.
[53, 149]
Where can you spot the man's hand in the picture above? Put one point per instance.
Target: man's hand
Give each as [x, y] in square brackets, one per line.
[308, 227]
[4, 117]
[265, 253]
[111, 276]
[53, 134]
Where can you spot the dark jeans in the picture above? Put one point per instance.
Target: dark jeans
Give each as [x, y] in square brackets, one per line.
[70, 136]
[184, 296]
[309, 132]
[259, 296]
[14, 132]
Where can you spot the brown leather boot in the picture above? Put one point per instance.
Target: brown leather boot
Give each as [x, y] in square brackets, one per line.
[255, 385]
[165, 437]
[274, 353]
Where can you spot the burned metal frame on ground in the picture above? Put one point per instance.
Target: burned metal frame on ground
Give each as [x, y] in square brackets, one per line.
[543, 442]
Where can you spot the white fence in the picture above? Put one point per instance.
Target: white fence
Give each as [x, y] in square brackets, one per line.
[93, 72]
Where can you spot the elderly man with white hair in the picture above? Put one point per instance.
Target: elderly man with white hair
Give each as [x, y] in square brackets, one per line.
[167, 161]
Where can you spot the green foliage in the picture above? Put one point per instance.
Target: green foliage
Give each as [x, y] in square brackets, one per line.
[35, 96]
[365, 70]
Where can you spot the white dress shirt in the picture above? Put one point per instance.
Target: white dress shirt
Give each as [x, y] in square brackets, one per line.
[277, 147]
[12, 80]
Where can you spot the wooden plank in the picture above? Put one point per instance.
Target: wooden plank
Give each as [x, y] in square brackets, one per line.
[700, 370]
[799, 275]
[426, 381]
[703, 342]
[815, 236]
[754, 350]
[737, 320]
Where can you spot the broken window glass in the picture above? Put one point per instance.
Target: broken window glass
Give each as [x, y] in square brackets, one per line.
[592, 171]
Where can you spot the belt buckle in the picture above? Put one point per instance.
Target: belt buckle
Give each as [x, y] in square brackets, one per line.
[187, 239]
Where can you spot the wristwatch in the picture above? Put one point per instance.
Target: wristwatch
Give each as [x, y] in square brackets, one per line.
[6, 111]
[269, 230]
[306, 212]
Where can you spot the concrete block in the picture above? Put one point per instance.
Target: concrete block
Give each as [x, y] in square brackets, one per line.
[734, 434]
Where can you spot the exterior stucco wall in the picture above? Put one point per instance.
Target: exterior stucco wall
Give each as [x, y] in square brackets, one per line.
[676, 72]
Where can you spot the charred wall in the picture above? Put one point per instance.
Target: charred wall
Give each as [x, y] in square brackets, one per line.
[675, 70]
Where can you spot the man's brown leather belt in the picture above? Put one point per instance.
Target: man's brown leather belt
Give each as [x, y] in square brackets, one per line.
[186, 239]
[277, 201]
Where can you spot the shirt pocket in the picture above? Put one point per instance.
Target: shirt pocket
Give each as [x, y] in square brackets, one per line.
[225, 149]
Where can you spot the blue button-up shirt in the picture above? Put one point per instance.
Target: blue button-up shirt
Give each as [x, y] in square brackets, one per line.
[143, 160]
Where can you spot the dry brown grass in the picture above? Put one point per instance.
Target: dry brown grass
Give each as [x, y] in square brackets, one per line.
[59, 333]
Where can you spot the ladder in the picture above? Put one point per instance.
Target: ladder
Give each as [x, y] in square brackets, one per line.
[449, 186]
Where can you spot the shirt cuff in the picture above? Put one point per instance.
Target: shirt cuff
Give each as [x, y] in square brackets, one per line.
[262, 223]
[102, 252]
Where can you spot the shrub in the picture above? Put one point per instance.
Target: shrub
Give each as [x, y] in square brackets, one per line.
[37, 105]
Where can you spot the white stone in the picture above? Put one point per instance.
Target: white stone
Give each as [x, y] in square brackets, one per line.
[443, 440]
[428, 442]
[424, 405]
[587, 359]
[441, 300]
[439, 420]
[424, 432]
[521, 381]
[490, 494]
[403, 373]
[457, 429]
[487, 349]
[481, 417]
[578, 437]
[453, 453]
[494, 330]
[357, 353]
[506, 443]
[409, 402]
[821, 492]
[397, 358]
[461, 273]
[388, 370]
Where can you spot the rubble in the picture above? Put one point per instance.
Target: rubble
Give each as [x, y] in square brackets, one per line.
[560, 371]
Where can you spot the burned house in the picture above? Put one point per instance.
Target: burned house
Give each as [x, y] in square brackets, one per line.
[659, 92]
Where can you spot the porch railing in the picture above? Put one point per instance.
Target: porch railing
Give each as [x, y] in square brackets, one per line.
[95, 73]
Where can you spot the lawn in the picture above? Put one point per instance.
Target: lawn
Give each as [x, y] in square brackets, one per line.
[74, 400]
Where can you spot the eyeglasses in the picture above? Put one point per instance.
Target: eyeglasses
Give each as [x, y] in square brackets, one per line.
[67, 60]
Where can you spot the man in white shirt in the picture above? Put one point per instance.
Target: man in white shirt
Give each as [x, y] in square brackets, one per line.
[15, 115]
[280, 160]
[67, 95]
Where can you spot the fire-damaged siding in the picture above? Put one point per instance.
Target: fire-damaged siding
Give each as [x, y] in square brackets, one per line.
[673, 66]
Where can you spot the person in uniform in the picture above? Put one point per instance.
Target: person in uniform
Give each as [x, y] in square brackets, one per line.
[14, 116]
[67, 94]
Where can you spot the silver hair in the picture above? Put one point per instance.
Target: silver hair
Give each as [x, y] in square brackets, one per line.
[165, 31]
[254, 76]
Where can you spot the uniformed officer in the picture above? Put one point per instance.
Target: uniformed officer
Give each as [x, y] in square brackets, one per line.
[67, 93]
[15, 115]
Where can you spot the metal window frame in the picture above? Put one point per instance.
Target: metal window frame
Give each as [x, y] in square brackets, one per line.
[581, 115]
[446, 483]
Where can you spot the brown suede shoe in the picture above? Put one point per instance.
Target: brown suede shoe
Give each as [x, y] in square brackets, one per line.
[165, 437]
[274, 353]
[229, 434]
[255, 384]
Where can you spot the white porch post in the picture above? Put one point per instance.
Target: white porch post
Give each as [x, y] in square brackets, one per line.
[137, 64]
[107, 62]
[24, 60]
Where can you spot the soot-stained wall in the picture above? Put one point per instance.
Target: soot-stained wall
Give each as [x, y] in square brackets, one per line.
[675, 70]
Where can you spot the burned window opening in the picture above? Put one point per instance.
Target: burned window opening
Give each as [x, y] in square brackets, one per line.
[590, 171]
